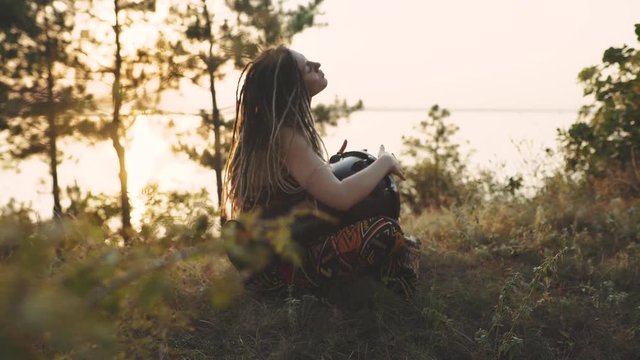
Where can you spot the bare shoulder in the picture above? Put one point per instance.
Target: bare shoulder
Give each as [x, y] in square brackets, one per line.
[291, 139]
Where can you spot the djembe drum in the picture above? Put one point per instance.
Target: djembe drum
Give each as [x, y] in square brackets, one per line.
[384, 200]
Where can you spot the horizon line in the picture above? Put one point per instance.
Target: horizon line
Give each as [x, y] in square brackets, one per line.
[471, 109]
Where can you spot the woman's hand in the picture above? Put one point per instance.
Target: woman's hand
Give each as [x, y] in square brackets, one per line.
[394, 165]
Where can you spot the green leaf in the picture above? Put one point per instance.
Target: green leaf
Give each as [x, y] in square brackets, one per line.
[588, 73]
[580, 132]
[614, 55]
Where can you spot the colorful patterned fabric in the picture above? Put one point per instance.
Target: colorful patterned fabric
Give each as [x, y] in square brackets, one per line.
[375, 246]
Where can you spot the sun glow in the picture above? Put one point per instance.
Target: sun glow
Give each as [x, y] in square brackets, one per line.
[151, 160]
[145, 153]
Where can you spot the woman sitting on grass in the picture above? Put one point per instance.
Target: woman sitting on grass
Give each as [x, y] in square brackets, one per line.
[277, 160]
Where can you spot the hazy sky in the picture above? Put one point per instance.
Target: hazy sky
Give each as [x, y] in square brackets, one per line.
[462, 53]
[466, 53]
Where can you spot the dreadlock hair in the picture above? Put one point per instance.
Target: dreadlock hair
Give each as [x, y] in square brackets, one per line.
[272, 96]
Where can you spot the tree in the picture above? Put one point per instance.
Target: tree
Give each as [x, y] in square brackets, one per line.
[433, 181]
[138, 75]
[605, 141]
[326, 115]
[207, 46]
[42, 82]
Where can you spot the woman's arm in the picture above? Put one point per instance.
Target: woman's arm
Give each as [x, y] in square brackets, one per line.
[315, 175]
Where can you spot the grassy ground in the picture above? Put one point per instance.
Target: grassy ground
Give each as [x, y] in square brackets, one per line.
[511, 280]
[556, 276]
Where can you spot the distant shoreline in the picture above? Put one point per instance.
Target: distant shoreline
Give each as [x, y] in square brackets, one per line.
[468, 110]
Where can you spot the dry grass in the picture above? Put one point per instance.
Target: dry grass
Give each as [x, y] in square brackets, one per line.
[556, 276]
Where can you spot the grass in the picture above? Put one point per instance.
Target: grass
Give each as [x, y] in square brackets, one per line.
[556, 276]
[509, 280]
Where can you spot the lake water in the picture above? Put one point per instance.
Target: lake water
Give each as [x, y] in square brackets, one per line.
[507, 142]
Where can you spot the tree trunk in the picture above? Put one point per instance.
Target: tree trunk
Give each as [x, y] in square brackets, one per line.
[53, 135]
[115, 133]
[217, 158]
[124, 190]
[216, 144]
[437, 172]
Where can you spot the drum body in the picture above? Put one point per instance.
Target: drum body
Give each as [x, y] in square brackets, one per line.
[384, 200]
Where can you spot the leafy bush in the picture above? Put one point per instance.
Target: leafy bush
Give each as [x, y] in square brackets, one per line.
[604, 142]
[434, 181]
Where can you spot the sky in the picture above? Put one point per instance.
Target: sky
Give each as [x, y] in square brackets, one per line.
[400, 57]
[461, 54]
[465, 53]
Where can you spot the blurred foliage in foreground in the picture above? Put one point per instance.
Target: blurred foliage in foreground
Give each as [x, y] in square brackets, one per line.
[71, 290]
[74, 289]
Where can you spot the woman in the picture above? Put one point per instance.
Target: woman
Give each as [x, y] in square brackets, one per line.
[277, 160]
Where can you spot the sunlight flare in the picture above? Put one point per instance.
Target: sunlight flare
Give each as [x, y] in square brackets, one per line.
[145, 153]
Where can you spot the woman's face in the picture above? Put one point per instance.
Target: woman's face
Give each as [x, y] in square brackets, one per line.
[311, 74]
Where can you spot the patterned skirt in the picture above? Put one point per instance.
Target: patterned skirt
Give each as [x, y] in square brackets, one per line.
[376, 247]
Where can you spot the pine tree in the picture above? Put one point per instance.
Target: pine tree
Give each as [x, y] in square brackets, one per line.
[138, 74]
[42, 83]
[207, 45]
